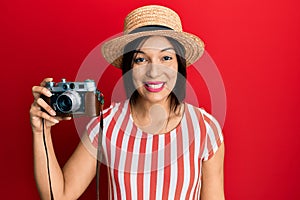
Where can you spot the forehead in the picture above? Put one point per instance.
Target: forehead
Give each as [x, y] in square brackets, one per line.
[156, 42]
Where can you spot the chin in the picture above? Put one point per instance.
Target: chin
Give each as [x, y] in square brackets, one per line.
[155, 98]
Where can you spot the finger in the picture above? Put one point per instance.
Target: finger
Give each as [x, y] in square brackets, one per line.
[38, 90]
[67, 118]
[62, 118]
[43, 83]
[45, 106]
[41, 114]
[35, 106]
[36, 114]
[34, 109]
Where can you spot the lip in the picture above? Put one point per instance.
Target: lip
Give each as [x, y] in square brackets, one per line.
[154, 86]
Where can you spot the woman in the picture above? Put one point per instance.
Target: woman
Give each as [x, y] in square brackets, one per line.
[155, 145]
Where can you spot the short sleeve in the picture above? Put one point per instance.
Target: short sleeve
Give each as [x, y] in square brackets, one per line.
[213, 137]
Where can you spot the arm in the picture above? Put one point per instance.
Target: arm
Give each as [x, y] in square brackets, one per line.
[213, 177]
[73, 179]
[70, 181]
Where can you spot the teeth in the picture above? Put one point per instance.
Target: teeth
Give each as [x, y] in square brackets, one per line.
[155, 86]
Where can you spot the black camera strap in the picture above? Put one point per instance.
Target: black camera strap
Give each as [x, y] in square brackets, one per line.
[47, 160]
[99, 155]
[99, 147]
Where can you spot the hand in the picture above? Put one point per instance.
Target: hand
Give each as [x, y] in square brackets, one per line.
[36, 112]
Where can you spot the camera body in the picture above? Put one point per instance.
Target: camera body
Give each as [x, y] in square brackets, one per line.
[74, 99]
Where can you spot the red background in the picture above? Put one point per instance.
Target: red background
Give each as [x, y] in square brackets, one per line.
[255, 45]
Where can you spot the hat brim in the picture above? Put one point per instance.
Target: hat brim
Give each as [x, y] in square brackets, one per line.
[113, 49]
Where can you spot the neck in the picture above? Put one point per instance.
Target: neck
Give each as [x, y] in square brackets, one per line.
[155, 117]
[144, 107]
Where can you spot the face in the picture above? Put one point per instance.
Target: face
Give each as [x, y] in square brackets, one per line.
[155, 69]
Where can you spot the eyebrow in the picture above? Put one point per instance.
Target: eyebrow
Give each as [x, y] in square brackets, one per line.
[166, 49]
[169, 48]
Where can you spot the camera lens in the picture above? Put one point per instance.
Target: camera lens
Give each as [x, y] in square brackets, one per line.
[64, 103]
[68, 102]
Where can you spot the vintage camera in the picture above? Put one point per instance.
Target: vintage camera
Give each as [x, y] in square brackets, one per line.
[74, 99]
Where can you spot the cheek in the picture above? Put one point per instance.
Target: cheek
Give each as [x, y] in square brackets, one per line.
[137, 76]
[172, 78]
[170, 71]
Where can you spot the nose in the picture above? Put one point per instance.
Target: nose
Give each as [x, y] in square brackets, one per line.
[153, 70]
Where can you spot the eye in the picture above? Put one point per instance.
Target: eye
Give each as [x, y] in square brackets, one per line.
[167, 58]
[139, 60]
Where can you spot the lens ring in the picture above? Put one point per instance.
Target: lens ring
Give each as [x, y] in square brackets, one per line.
[68, 102]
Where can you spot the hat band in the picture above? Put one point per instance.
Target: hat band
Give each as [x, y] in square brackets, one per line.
[149, 28]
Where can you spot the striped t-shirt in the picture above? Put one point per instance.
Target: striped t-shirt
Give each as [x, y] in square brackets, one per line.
[155, 166]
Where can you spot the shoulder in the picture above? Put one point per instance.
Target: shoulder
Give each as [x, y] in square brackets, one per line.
[203, 116]
[210, 129]
[114, 109]
[211, 122]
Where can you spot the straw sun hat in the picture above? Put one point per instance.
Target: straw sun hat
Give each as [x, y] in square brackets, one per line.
[152, 20]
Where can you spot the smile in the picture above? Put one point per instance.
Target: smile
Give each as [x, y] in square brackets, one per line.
[154, 86]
